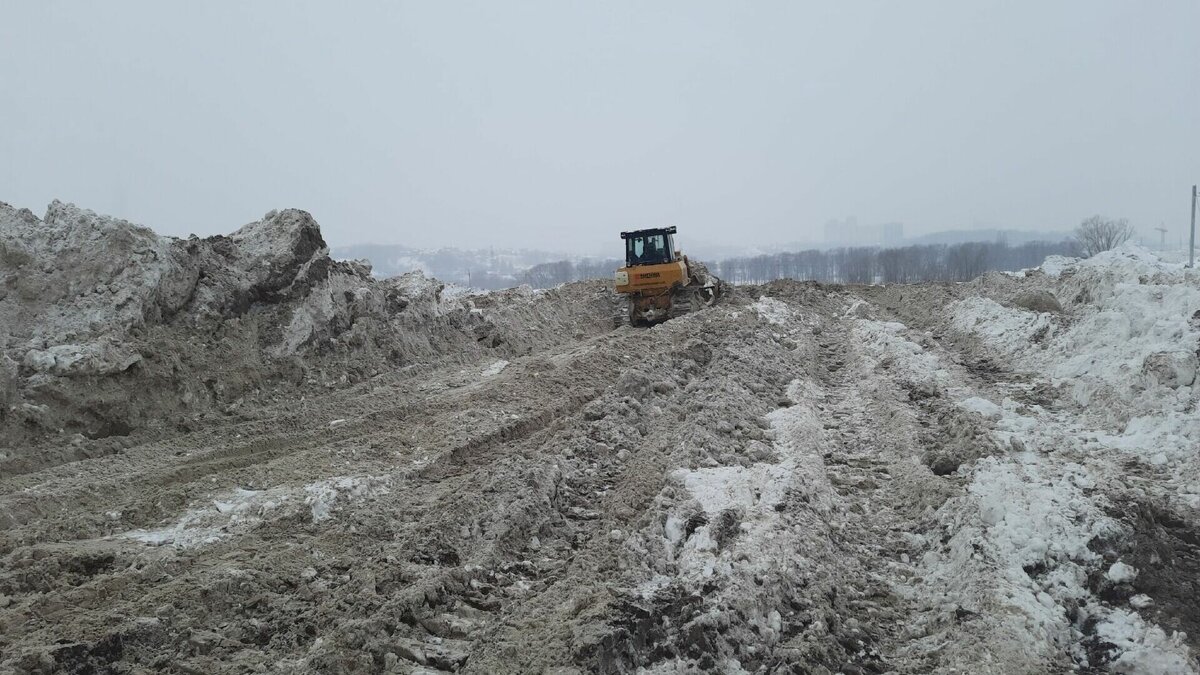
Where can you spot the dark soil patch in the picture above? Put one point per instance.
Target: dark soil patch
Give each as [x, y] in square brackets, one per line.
[1164, 547]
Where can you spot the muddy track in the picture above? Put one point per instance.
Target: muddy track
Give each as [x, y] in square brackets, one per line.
[783, 483]
[500, 419]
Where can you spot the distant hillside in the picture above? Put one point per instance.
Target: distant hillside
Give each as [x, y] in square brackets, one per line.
[481, 268]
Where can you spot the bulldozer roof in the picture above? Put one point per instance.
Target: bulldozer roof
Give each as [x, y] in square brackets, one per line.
[652, 230]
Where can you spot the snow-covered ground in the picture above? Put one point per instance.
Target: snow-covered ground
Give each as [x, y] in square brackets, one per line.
[1124, 356]
[926, 478]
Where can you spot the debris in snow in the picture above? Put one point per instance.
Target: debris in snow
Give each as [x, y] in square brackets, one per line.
[1038, 300]
[323, 496]
[1171, 369]
[859, 309]
[495, 369]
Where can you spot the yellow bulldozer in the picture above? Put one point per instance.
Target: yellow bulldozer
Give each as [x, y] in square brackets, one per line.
[661, 282]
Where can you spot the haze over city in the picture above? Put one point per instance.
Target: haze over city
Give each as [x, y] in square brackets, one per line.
[554, 125]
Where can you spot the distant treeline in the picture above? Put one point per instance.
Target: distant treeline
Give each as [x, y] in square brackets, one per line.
[548, 275]
[854, 265]
[908, 264]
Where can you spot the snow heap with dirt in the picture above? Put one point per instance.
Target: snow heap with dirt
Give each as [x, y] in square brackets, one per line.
[1123, 436]
[108, 327]
[234, 454]
[1126, 352]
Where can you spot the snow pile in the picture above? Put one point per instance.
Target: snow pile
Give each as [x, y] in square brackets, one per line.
[77, 274]
[85, 299]
[1016, 546]
[1128, 354]
[1142, 647]
[1019, 553]
[1011, 331]
[1012, 519]
[107, 328]
[1054, 265]
[732, 531]
[1139, 324]
[1037, 519]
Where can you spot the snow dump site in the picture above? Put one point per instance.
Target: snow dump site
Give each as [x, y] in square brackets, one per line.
[235, 454]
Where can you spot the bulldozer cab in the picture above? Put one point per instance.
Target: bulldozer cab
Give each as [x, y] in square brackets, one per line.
[649, 247]
[660, 282]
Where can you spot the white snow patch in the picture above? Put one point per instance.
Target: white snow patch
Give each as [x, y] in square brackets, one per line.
[1141, 601]
[654, 584]
[1054, 265]
[753, 491]
[1120, 573]
[242, 510]
[772, 310]
[982, 406]
[495, 368]
[214, 520]
[1144, 648]
[886, 342]
[724, 487]
[323, 496]
[1127, 354]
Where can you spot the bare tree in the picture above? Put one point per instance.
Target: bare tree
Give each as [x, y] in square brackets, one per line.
[1098, 234]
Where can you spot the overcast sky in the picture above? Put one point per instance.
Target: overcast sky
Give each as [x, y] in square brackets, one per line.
[556, 124]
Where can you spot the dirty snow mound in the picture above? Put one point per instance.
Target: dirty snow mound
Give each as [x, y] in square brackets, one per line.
[107, 328]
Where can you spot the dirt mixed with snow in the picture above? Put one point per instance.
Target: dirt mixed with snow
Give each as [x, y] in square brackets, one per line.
[234, 454]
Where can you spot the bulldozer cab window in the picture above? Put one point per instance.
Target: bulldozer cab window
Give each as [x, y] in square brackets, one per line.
[648, 249]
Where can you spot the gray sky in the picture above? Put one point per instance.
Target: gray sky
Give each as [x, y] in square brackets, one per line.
[556, 124]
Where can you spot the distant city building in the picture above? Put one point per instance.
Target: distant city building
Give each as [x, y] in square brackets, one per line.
[841, 231]
[892, 234]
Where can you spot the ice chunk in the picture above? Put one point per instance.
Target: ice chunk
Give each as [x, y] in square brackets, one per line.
[1120, 573]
